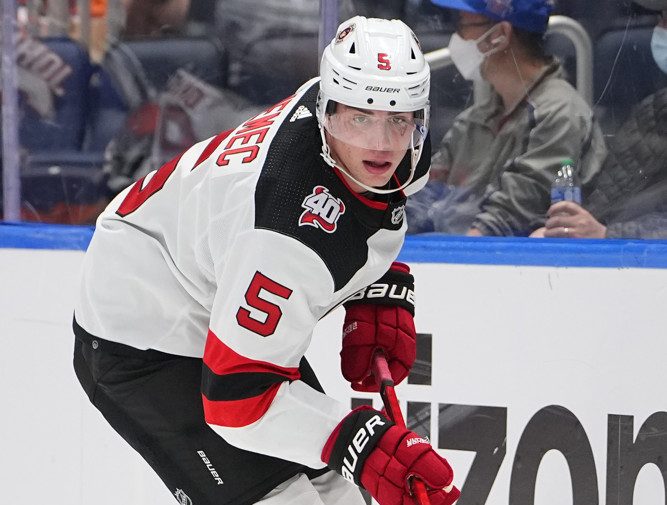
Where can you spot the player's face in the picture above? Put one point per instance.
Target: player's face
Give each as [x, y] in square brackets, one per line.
[369, 144]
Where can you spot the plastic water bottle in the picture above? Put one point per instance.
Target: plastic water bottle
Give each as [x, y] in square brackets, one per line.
[564, 186]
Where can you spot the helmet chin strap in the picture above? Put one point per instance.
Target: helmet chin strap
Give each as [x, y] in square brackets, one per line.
[326, 154]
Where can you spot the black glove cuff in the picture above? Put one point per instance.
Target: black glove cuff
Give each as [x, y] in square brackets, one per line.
[393, 288]
[359, 434]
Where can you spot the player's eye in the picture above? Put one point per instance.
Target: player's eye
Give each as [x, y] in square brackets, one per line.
[401, 121]
[361, 120]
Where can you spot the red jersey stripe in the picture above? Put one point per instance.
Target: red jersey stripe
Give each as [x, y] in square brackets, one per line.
[222, 360]
[366, 201]
[238, 413]
[212, 146]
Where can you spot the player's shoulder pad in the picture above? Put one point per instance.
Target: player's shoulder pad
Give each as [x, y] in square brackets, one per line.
[314, 82]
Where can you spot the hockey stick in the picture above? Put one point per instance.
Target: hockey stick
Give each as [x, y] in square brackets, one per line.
[391, 405]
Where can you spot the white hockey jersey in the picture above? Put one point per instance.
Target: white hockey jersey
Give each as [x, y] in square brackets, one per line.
[232, 252]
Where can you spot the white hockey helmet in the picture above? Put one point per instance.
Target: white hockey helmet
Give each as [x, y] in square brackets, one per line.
[374, 64]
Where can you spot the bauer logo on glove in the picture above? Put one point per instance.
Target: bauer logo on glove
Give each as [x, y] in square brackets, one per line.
[396, 287]
[382, 291]
[356, 447]
[369, 449]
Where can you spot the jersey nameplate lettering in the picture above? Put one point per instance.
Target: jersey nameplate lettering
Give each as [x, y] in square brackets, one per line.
[247, 139]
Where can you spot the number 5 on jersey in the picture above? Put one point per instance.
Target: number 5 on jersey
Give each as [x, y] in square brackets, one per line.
[253, 297]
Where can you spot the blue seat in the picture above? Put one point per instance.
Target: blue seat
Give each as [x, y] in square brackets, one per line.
[108, 110]
[624, 73]
[203, 57]
[562, 48]
[63, 187]
[55, 70]
[274, 66]
[133, 71]
[603, 15]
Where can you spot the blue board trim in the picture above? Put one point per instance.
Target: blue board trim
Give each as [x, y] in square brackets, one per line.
[433, 248]
[44, 236]
[610, 253]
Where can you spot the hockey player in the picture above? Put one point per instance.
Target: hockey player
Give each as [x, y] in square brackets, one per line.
[204, 281]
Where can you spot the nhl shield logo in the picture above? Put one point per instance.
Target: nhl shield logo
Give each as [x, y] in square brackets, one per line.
[322, 210]
[397, 214]
[182, 498]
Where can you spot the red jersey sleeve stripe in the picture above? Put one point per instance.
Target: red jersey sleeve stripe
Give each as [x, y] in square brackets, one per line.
[222, 360]
[225, 368]
[238, 413]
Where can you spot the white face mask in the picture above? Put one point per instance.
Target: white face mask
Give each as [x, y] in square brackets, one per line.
[467, 57]
[658, 47]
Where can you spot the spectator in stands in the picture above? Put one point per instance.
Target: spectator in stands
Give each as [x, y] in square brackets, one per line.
[154, 17]
[165, 116]
[492, 172]
[630, 195]
[275, 49]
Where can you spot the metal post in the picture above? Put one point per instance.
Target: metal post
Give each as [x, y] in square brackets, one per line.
[57, 13]
[83, 10]
[11, 179]
[33, 18]
[440, 58]
[115, 19]
[328, 23]
[583, 48]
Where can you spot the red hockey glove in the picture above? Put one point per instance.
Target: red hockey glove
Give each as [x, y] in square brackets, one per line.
[380, 317]
[368, 449]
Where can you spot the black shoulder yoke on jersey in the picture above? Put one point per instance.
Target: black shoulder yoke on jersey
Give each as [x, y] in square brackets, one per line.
[290, 178]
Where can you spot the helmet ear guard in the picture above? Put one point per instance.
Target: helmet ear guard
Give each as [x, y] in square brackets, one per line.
[330, 107]
[374, 64]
